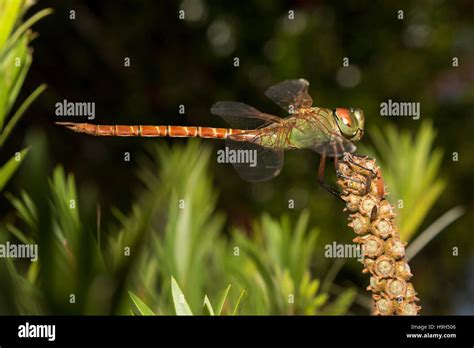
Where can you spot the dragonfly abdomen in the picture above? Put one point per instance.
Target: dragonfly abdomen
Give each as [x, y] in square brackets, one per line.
[151, 131]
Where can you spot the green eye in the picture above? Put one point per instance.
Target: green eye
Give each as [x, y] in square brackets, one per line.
[359, 116]
[346, 121]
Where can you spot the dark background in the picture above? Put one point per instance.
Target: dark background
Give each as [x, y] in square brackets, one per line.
[190, 62]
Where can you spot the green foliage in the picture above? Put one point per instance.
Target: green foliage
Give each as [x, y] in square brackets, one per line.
[411, 169]
[15, 61]
[141, 306]
[180, 304]
[172, 229]
[10, 168]
[275, 268]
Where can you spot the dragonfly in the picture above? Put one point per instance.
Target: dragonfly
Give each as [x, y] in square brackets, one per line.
[329, 132]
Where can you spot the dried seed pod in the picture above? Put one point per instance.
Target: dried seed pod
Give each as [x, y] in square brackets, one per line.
[359, 223]
[357, 185]
[408, 308]
[372, 219]
[395, 247]
[396, 287]
[384, 306]
[352, 202]
[402, 269]
[411, 293]
[375, 188]
[368, 265]
[367, 204]
[384, 267]
[377, 285]
[382, 228]
[386, 210]
[373, 247]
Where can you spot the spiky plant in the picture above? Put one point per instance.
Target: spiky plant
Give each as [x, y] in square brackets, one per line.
[15, 61]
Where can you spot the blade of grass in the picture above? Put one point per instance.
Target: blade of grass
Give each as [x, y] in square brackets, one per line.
[9, 168]
[23, 28]
[220, 307]
[8, 16]
[208, 306]
[19, 78]
[239, 300]
[433, 230]
[19, 113]
[141, 306]
[180, 305]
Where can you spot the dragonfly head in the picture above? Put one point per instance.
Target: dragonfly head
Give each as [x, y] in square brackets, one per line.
[350, 122]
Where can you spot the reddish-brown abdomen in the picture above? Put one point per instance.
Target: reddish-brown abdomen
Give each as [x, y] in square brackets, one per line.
[178, 131]
[210, 132]
[90, 128]
[149, 131]
[105, 130]
[153, 131]
[126, 131]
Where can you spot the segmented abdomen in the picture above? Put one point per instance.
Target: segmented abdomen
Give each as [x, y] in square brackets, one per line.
[150, 131]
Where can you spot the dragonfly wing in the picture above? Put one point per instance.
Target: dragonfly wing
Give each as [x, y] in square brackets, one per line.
[254, 163]
[290, 95]
[242, 116]
[320, 137]
[335, 146]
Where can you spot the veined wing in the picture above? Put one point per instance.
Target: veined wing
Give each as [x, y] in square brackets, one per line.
[242, 116]
[291, 95]
[324, 140]
[265, 164]
[265, 146]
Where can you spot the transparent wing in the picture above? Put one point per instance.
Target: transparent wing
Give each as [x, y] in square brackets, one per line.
[319, 137]
[242, 116]
[335, 146]
[290, 95]
[253, 162]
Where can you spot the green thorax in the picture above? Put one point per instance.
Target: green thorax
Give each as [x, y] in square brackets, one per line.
[301, 130]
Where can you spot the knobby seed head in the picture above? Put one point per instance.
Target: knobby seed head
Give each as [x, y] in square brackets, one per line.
[372, 219]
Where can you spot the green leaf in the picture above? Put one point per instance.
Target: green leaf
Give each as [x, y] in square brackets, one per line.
[239, 300]
[19, 76]
[19, 113]
[9, 168]
[18, 234]
[220, 307]
[23, 28]
[9, 14]
[208, 306]
[25, 208]
[141, 306]
[180, 305]
[320, 300]
[342, 303]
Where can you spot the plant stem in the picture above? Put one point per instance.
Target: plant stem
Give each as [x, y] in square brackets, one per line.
[373, 220]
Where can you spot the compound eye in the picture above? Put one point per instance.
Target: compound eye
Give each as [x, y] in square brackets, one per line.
[345, 116]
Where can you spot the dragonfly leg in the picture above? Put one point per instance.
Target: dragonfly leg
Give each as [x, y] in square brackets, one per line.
[371, 171]
[321, 181]
[374, 174]
[368, 177]
[367, 182]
